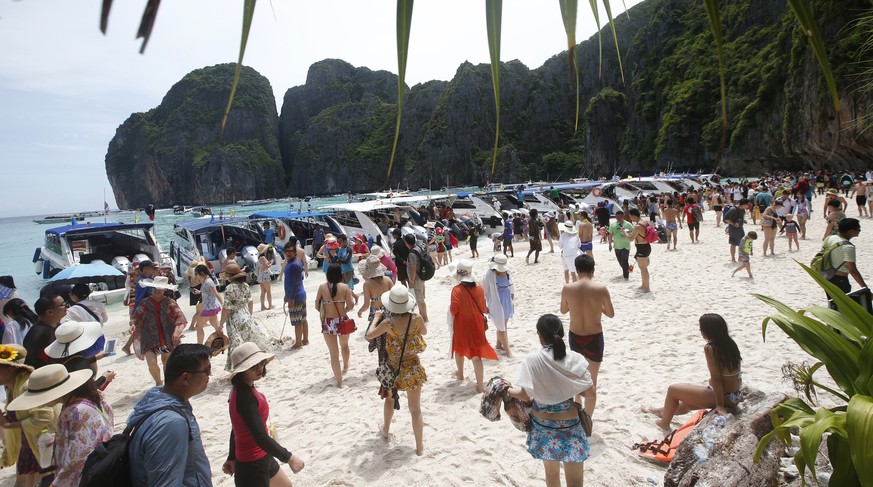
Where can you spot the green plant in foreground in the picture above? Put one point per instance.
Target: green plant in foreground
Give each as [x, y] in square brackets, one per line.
[840, 341]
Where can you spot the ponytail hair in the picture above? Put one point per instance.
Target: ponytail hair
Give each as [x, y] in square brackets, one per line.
[551, 329]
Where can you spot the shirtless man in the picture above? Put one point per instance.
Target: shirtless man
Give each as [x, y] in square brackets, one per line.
[671, 215]
[859, 191]
[586, 233]
[586, 301]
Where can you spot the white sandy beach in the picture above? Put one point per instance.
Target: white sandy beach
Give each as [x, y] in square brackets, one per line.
[652, 341]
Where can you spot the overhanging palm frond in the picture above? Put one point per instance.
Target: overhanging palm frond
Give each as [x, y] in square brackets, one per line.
[404, 24]
[248, 15]
[712, 14]
[568, 14]
[493, 20]
[614, 37]
[148, 21]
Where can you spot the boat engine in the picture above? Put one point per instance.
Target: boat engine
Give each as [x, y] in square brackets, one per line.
[419, 232]
[121, 263]
[249, 255]
[139, 258]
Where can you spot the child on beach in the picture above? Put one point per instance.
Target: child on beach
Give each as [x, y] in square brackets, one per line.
[746, 252]
[791, 228]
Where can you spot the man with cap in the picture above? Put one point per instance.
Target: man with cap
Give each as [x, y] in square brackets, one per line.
[167, 449]
[415, 284]
[50, 309]
[84, 309]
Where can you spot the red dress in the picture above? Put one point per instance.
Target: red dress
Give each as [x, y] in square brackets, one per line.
[468, 338]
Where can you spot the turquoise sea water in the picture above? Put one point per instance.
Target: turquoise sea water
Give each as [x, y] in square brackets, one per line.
[20, 237]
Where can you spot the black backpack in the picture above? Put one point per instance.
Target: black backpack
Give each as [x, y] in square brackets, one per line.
[108, 464]
[426, 267]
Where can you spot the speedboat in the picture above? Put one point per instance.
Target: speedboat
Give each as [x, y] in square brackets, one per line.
[181, 209]
[201, 211]
[117, 244]
[373, 219]
[67, 217]
[476, 205]
[302, 225]
[209, 238]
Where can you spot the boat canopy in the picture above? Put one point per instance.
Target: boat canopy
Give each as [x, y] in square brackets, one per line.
[363, 206]
[204, 223]
[88, 228]
[288, 214]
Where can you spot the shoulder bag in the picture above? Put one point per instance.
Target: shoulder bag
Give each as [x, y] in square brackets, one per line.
[484, 315]
[346, 325]
[387, 376]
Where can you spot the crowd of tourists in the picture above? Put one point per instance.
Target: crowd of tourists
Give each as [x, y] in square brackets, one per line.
[55, 394]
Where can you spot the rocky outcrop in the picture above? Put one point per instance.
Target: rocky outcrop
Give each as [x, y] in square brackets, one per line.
[720, 450]
[174, 154]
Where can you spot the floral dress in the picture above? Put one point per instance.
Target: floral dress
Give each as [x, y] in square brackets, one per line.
[81, 427]
[411, 375]
[156, 322]
[241, 325]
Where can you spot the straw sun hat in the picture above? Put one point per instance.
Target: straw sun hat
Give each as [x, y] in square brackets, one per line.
[159, 282]
[399, 299]
[49, 383]
[499, 263]
[464, 271]
[376, 251]
[73, 337]
[371, 267]
[13, 355]
[246, 356]
[569, 228]
[232, 272]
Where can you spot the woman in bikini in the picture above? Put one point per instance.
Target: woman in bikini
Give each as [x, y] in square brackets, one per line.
[549, 378]
[725, 377]
[644, 249]
[266, 259]
[769, 222]
[403, 332]
[333, 301]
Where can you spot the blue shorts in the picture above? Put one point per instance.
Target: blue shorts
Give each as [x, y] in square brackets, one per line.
[586, 246]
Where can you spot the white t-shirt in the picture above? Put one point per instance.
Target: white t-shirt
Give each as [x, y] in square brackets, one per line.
[841, 255]
[76, 313]
[786, 208]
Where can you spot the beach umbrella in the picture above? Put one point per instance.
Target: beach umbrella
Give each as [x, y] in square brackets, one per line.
[87, 273]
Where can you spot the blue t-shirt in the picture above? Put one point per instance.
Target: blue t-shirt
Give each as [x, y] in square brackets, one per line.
[141, 292]
[507, 229]
[294, 281]
[344, 255]
[269, 235]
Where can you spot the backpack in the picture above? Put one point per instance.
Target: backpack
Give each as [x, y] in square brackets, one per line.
[108, 464]
[724, 211]
[651, 235]
[696, 213]
[426, 267]
[821, 262]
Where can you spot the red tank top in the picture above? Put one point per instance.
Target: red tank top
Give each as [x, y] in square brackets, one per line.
[246, 448]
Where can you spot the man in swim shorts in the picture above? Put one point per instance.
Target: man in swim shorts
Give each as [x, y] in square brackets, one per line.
[671, 216]
[587, 301]
[586, 233]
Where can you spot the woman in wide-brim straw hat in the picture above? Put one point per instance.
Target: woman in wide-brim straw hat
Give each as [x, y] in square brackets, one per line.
[376, 283]
[499, 295]
[467, 322]
[403, 330]
[78, 346]
[237, 314]
[21, 429]
[253, 452]
[85, 419]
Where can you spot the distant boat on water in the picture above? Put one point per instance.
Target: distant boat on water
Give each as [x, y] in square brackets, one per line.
[67, 217]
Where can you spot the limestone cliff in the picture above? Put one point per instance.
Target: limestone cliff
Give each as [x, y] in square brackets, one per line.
[335, 131]
[173, 154]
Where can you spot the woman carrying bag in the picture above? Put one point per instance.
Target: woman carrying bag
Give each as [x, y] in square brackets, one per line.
[467, 322]
[404, 341]
[550, 378]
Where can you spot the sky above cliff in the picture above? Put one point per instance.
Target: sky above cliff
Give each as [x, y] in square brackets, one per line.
[65, 87]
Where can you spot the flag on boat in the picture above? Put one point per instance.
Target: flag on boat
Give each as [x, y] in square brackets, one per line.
[105, 208]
